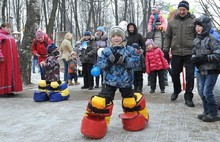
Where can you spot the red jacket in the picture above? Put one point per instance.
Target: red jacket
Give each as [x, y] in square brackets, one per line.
[155, 60]
[41, 48]
[10, 76]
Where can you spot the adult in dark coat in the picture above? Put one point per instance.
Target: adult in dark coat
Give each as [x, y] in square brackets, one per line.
[134, 36]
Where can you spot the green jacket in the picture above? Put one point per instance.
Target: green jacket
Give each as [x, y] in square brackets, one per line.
[179, 35]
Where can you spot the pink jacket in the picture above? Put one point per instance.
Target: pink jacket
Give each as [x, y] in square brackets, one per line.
[155, 60]
[160, 18]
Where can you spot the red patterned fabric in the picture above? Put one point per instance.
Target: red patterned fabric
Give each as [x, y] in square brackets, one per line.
[10, 76]
[155, 60]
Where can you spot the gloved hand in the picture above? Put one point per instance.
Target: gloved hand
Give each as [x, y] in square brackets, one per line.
[199, 60]
[167, 57]
[212, 58]
[119, 59]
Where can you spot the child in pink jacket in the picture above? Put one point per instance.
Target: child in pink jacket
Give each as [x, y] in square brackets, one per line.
[155, 65]
[155, 17]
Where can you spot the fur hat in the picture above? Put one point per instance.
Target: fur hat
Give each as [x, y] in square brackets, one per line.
[183, 4]
[87, 33]
[135, 45]
[116, 30]
[40, 33]
[51, 47]
[150, 41]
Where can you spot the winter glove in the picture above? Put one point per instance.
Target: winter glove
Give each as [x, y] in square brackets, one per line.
[167, 57]
[212, 58]
[111, 58]
[197, 61]
[119, 59]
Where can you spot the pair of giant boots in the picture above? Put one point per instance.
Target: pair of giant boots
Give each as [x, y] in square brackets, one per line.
[54, 91]
[97, 117]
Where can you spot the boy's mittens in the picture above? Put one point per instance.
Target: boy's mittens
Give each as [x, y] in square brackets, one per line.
[121, 60]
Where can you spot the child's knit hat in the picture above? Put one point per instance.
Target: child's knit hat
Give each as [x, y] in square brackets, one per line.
[116, 30]
[51, 47]
[39, 33]
[150, 41]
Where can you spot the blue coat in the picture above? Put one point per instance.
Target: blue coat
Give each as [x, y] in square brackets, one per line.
[117, 75]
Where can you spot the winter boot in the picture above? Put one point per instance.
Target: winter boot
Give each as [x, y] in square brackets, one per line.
[70, 83]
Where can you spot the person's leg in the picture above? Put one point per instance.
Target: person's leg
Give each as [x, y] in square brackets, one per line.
[165, 76]
[70, 78]
[140, 81]
[210, 98]
[65, 63]
[85, 76]
[189, 67]
[90, 77]
[97, 81]
[200, 87]
[153, 81]
[42, 73]
[177, 67]
[135, 81]
[161, 80]
[33, 65]
[108, 92]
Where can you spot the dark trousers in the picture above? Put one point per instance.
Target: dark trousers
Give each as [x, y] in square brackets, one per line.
[72, 76]
[98, 77]
[177, 64]
[87, 77]
[153, 79]
[138, 81]
[108, 92]
[165, 75]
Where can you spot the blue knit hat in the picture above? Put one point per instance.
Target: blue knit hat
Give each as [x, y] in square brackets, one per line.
[135, 45]
[87, 33]
[101, 28]
[184, 4]
[51, 47]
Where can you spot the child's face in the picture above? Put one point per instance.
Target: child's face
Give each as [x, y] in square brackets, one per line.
[149, 46]
[199, 29]
[116, 39]
[74, 56]
[87, 37]
[99, 33]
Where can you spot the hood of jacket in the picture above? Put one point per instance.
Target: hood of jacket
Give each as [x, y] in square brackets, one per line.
[68, 36]
[205, 22]
[135, 28]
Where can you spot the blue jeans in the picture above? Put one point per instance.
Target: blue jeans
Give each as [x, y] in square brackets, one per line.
[72, 76]
[42, 72]
[205, 85]
[65, 63]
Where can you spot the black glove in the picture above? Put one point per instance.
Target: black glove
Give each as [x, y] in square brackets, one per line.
[167, 57]
[119, 59]
[197, 61]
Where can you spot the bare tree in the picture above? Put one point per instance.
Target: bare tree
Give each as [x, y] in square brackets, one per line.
[50, 25]
[32, 24]
[4, 4]
[212, 9]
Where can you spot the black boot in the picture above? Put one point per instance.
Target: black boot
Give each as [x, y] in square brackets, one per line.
[174, 96]
[210, 118]
[189, 103]
[200, 116]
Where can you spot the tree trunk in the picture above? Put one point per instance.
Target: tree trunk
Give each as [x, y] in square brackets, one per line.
[52, 19]
[116, 12]
[4, 4]
[32, 24]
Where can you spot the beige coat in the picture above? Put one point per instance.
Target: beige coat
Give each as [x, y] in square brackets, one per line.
[66, 46]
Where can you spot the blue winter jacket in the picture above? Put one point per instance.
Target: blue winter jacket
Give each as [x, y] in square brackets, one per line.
[118, 75]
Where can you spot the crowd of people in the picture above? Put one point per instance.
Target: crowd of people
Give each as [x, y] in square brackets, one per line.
[186, 37]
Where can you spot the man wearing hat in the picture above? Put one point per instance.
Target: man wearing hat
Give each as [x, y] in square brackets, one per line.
[179, 37]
